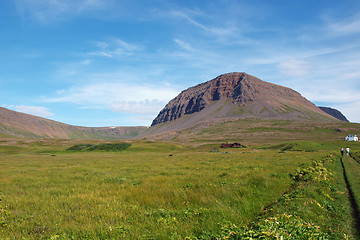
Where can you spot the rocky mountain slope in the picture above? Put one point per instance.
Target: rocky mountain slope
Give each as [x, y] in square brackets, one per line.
[239, 95]
[335, 113]
[18, 124]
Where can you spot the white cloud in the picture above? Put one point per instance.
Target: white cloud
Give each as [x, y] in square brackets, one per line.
[294, 67]
[183, 15]
[101, 53]
[124, 45]
[219, 31]
[119, 97]
[350, 25]
[316, 59]
[34, 110]
[115, 47]
[186, 46]
[144, 107]
[320, 92]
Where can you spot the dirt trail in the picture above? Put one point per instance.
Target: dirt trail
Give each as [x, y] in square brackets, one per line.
[354, 205]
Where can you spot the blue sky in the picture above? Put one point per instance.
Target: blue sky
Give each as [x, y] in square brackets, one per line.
[118, 62]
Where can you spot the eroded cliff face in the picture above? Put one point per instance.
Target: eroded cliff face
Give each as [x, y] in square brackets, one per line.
[240, 88]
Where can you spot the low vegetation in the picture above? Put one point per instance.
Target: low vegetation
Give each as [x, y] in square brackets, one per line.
[352, 170]
[157, 190]
[111, 147]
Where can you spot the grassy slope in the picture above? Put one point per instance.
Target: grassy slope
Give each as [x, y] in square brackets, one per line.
[255, 132]
[50, 129]
[163, 190]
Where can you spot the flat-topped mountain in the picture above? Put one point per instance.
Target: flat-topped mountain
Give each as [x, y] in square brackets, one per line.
[239, 95]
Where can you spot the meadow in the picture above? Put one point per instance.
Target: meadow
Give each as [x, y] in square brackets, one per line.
[164, 190]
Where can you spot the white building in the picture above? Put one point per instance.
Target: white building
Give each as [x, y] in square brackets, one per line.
[352, 138]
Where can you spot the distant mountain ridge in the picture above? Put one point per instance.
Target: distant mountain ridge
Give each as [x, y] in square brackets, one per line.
[335, 113]
[17, 124]
[240, 95]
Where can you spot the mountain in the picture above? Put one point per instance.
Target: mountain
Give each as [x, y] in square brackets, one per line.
[239, 95]
[17, 124]
[228, 97]
[231, 97]
[335, 113]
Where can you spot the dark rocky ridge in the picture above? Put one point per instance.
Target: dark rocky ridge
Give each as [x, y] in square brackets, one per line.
[335, 113]
[255, 97]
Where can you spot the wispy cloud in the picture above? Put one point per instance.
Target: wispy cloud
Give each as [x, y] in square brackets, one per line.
[185, 14]
[193, 42]
[184, 45]
[220, 29]
[34, 110]
[115, 47]
[144, 107]
[347, 26]
[295, 67]
[46, 11]
[119, 97]
[331, 95]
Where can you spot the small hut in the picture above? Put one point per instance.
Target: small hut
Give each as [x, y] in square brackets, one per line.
[351, 137]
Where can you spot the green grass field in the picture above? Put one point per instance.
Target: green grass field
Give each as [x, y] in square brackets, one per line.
[162, 190]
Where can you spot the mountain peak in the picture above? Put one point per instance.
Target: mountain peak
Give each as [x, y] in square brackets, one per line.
[239, 95]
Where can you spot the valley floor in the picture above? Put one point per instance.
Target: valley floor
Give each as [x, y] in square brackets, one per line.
[162, 190]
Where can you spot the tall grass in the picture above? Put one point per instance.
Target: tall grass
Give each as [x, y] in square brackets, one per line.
[139, 193]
